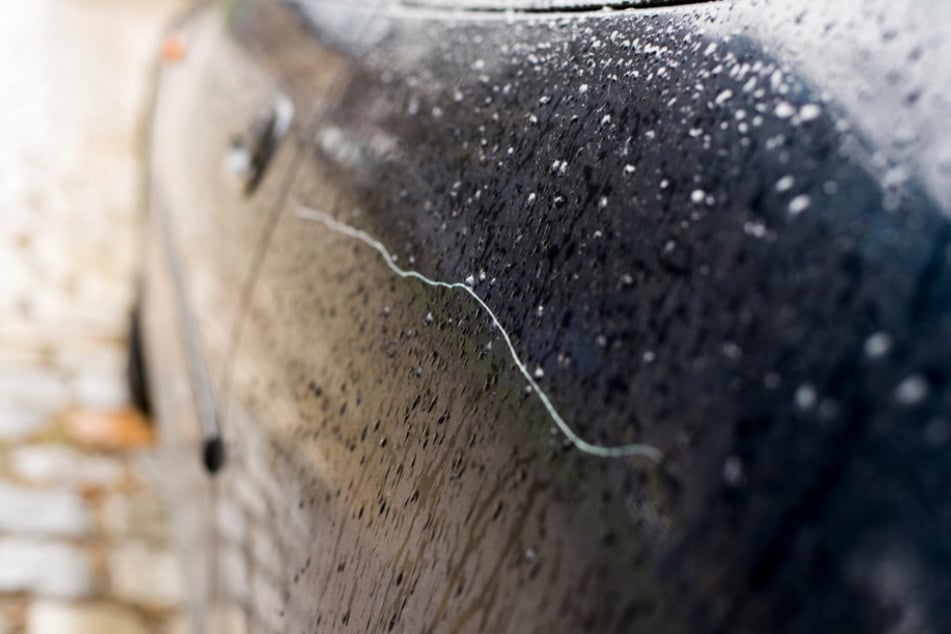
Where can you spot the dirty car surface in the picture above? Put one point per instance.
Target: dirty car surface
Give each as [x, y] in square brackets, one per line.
[554, 318]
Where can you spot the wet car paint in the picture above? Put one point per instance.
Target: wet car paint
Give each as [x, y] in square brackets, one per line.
[690, 247]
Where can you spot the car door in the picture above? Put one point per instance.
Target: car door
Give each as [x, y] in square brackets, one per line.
[592, 321]
[223, 151]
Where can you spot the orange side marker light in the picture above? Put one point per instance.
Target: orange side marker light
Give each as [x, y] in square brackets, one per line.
[173, 48]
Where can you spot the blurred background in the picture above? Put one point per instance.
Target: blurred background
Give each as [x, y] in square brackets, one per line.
[83, 528]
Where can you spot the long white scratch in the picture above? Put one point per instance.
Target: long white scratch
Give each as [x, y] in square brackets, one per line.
[637, 449]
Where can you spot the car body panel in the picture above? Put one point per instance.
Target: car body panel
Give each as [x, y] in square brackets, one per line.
[696, 239]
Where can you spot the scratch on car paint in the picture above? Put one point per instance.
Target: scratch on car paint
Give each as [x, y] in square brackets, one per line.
[635, 449]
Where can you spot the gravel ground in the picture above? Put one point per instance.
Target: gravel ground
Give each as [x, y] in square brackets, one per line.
[83, 535]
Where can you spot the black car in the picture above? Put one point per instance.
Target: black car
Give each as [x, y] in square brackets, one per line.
[556, 316]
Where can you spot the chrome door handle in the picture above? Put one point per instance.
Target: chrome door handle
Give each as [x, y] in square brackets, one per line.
[250, 152]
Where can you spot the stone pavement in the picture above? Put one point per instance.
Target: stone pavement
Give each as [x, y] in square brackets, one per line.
[84, 543]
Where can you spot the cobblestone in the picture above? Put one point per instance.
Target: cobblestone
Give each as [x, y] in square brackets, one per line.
[40, 512]
[46, 617]
[145, 576]
[44, 568]
[62, 465]
[74, 482]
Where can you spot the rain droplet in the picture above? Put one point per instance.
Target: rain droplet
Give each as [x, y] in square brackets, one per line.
[697, 196]
[784, 110]
[810, 112]
[755, 229]
[912, 391]
[539, 373]
[799, 204]
[806, 397]
[878, 345]
[732, 351]
[785, 183]
[733, 471]
[724, 97]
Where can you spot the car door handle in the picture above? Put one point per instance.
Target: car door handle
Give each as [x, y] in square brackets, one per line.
[250, 152]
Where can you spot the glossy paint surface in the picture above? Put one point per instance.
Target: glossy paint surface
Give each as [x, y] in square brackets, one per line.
[695, 240]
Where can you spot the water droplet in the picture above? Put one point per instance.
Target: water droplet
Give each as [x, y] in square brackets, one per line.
[649, 357]
[732, 351]
[539, 373]
[629, 169]
[755, 229]
[799, 204]
[531, 199]
[697, 196]
[583, 88]
[785, 110]
[470, 280]
[806, 397]
[429, 319]
[878, 345]
[724, 97]
[912, 391]
[785, 183]
[733, 471]
[810, 112]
